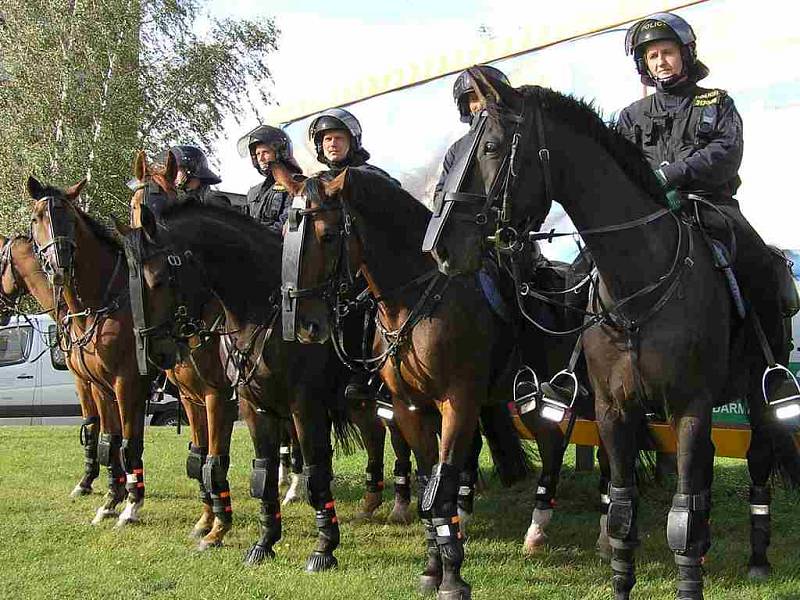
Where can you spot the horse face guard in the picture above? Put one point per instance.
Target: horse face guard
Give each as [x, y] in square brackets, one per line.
[56, 254]
[158, 345]
[335, 286]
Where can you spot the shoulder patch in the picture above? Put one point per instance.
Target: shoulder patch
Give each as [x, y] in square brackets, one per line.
[710, 97]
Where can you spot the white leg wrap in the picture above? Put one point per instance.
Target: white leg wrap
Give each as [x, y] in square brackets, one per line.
[296, 491]
[102, 514]
[130, 514]
[535, 536]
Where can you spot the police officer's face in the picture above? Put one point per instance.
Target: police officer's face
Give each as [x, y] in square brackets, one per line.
[336, 144]
[264, 155]
[186, 181]
[663, 59]
[475, 105]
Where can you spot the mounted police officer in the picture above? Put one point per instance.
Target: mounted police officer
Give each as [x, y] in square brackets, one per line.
[269, 147]
[692, 138]
[469, 106]
[194, 178]
[336, 135]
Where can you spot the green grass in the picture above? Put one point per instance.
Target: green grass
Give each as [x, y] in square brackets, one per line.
[49, 550]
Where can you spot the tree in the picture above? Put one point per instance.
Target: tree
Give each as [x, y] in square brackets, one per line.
[85, 83]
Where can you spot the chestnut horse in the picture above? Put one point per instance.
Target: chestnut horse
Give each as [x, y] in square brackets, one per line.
[20, 274]
[204, 389]
[86, 268]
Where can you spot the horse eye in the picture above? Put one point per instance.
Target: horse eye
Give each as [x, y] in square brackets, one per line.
[490, 147]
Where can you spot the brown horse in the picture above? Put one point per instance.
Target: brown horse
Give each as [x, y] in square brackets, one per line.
[86, 268]
[438, 348]
[20, 274]
[204, 389]
[663, 320]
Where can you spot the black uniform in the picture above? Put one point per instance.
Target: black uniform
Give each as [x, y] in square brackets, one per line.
[269, 203]
[694, 135]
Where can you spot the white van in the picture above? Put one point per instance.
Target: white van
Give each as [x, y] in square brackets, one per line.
[35, 386]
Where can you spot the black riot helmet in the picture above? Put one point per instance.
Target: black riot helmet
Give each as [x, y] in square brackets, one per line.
[463, 86]
[193, 160]
[337, 119]
[273, 137]
[664, 26]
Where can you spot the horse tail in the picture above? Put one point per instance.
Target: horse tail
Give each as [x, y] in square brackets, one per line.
[346, 437]
[510, 457]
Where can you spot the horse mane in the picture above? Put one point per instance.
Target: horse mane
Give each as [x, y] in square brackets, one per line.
[584, 118]
[103, 232]
[233, 242]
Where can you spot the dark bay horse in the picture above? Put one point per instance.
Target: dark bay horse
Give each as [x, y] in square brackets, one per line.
[194, 366]
[86, 268]
[198, 252]
[20, 274]
[439, 347]
[663, 341]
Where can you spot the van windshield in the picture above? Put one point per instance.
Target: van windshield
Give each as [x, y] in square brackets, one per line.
[14, 344]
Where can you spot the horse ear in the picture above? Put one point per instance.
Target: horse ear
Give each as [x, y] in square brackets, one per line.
[171, 168]
[140, 165]
[286, 178]
[74, 191]
[148, 223]
[495, 90]
[35, 188]
[337, 184]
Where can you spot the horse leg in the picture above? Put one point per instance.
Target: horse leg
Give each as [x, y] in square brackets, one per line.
[550, 441]
[297, 484]
[373, 433]
[108, 454]
[618, 435]
[440, 499]
[285, 467]
[131, 395]
[467, 480]
[198, 451]
[688, 533]
[420, 431]
[265, 432]
[401, 511]
[89, 436]
[603, 546]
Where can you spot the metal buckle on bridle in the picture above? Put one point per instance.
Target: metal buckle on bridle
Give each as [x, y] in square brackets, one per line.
[174, 260]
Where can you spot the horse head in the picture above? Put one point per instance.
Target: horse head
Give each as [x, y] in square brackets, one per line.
[53, 225]
[475, 208]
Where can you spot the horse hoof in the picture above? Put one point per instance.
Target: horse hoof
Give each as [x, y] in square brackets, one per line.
[129, 515]
[759, 572]
[257, 555]
[534, 541]
[428, 584]
[198, 533]
[362, 516]
[464, 593]
[401, 514]
[102, 514]
[79, 491]
[204, 545]
[321, 561]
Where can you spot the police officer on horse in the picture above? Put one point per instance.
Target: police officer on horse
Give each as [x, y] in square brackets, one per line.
[692, 137]
[193, 179]
[268, 147]
[336, 135]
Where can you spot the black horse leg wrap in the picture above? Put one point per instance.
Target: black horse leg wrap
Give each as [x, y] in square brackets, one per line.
[373, 480]
[466, 490]
[264, 480]
[690, 577]
[760, 526]
[132, 450]
[622, 517]
[402, 480]
[687, 524]
[545, 492]
[215, 480]
[89, 436]
[194, 469]
[108, 455]
[440, 498]
[321, 499]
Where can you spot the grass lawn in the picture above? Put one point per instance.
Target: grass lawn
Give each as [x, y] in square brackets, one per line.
[51, 551]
